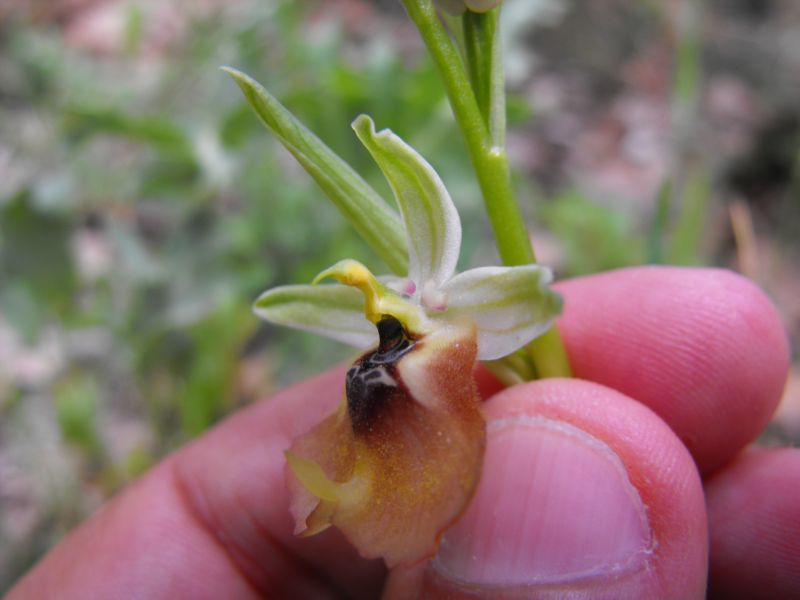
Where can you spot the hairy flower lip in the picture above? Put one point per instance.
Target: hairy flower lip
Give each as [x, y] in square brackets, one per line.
[393, 483]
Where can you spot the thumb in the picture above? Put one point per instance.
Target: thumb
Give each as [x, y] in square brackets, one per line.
[585, 493]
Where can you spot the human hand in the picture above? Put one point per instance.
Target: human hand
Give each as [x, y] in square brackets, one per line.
[585, 492]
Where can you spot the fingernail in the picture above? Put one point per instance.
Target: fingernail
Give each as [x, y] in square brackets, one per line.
[554, 505]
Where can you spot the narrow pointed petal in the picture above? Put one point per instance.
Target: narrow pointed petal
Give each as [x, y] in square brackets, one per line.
[398, 462]
[432, 223]
[510, 305]
[335, 311]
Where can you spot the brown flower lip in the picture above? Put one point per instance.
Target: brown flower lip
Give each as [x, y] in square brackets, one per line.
[399, 460]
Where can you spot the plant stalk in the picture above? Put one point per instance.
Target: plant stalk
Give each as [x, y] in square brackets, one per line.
[486, 147]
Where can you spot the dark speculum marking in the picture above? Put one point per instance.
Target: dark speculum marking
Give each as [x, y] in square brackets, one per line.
[373, 381]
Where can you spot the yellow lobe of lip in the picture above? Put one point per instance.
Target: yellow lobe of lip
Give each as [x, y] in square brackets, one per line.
[311, 475]
[379, 300]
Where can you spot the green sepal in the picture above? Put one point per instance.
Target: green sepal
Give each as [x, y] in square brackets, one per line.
[334, 311]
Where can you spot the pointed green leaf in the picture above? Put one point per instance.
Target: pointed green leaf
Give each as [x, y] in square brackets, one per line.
[431, 219]
[510, 305]
[361, 205]
[335, 311]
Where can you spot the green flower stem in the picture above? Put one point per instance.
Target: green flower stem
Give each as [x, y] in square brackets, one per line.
[550, 355]
[489, 160]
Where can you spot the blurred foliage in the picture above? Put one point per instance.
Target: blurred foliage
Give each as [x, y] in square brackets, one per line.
[594, 237]
[146, 208]
[194, 208]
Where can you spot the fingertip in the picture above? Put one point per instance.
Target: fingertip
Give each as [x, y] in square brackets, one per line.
[584, 491]
[754, 526]
[703, 348]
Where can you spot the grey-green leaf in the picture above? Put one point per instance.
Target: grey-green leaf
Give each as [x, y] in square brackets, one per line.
[360, 204]
[335, 311]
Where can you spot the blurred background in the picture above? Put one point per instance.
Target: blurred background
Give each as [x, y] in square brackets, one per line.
[143, 207]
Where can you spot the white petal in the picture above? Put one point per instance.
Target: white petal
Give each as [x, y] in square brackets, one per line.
[511, 305]
[431, 219]
[335, 311]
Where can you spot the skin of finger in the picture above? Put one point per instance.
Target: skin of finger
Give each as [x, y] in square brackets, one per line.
[703, 348]
[249, 503]
[754, 526]
[212, 521]
[657, 464]
[138, 546]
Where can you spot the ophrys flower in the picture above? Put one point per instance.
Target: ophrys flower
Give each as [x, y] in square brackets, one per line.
[399, 459]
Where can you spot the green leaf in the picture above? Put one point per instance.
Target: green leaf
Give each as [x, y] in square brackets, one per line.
[361, 205]
[431, 219]
[35, 253]
[335, 311]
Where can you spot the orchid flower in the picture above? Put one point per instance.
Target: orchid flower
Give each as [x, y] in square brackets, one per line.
[399, 459]
[509, 305]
